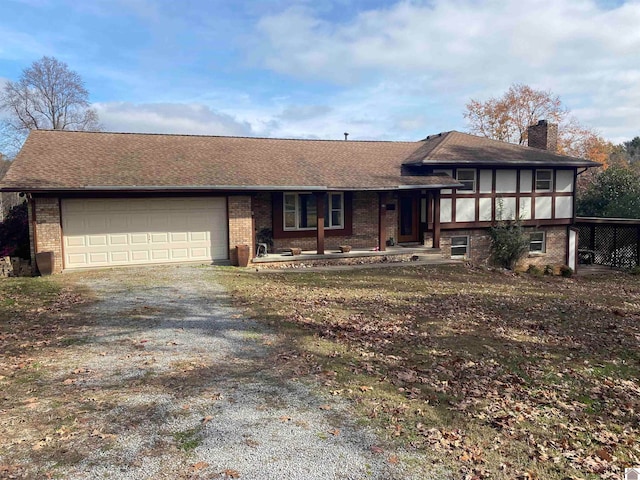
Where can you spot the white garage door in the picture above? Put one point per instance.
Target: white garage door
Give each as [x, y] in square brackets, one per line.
[132, 231]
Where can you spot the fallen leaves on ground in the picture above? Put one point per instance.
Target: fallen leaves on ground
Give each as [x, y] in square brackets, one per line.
[230, 473]
[536, 377]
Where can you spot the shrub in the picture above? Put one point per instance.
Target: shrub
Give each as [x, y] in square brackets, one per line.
[635, 270]
[508, 243]
[14, 233]
[566, 271]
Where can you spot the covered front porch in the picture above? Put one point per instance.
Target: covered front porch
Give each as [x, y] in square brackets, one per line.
[371, 222]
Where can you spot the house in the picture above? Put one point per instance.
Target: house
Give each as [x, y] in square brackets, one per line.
[103, 199]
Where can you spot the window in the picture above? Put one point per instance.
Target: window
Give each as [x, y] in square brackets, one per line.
[537, 242]
[544, 182]
[468, 178]
[300, 211]
[459, 246]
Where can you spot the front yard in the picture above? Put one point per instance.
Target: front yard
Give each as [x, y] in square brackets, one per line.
[462, 372]
[488, 374]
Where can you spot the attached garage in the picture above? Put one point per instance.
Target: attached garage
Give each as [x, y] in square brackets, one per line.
[100, 232]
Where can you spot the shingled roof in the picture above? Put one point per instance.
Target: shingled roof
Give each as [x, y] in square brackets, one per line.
[461, 148]
[62, 160]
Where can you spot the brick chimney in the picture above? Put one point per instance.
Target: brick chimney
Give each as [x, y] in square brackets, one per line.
[543, 135]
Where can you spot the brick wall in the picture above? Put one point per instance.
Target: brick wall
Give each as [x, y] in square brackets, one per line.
[556, 248]
[48, 231]
[543, 135]
[262, 210]
[391, 218]
[365, 224]
[480, 246]
[240, 223]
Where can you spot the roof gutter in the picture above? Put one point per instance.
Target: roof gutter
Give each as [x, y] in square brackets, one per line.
[224, 188]
[504, 164]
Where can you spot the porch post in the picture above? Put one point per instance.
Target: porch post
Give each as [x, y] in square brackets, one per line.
[320, 196]
[436, 219]
[382, 221]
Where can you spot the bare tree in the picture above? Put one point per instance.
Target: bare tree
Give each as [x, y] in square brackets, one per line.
[48, 95]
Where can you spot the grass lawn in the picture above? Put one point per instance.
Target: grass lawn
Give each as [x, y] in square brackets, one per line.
[35, 331]
[491, 375]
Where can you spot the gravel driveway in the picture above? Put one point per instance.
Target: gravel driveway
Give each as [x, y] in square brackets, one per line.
[194, 396]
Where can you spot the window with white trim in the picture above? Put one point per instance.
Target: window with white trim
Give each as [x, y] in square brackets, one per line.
[544, 180]
[300, 212]
[537, 242]
[466, 176]
[460, 247]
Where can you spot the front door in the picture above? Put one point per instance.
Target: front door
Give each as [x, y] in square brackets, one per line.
[408, 218]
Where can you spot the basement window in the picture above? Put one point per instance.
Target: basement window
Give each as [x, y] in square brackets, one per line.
[537, 242]
[460, 247]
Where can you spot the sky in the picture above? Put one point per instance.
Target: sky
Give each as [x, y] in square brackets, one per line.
[380, 70]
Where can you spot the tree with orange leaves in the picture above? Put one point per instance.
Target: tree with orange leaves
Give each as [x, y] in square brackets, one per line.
[508, 118]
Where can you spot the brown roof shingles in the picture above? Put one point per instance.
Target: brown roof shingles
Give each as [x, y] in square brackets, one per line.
[57, 160]
[461, 148]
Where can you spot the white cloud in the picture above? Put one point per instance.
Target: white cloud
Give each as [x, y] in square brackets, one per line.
[194, 119]
[580, 50]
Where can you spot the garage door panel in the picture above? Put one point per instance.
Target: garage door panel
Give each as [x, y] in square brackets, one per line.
[198, 236]
[119, 257]
[178, 237]
[97, 240]
[159, 238]
[100, 232]
[118, 239]
[77, 260]
[117, 223]
[75, 242]
[159, 222]
[140, 256]
[179, 253]
[96, 258]
[199, 252]
[138, 239]
[160, 254]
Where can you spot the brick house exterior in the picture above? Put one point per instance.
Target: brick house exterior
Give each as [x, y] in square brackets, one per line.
[103, 199]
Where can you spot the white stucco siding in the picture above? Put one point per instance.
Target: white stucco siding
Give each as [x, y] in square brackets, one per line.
[526, 179]
[466, 210]
[506, 208]
[564, 207]
[445, 210]
[485, 210]
[543, 208]
[486, 181]
[564, 181]
[525, 208]
[506, 181]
